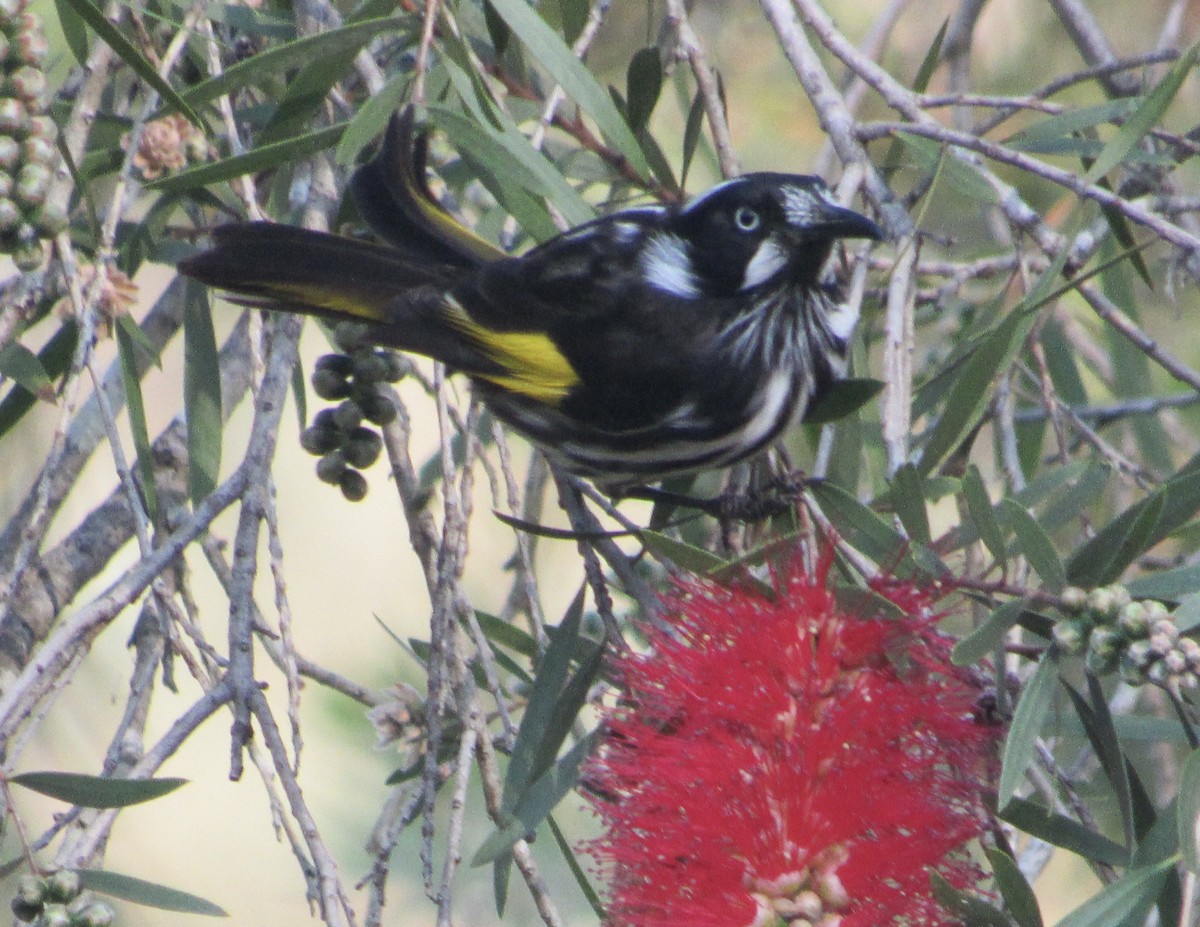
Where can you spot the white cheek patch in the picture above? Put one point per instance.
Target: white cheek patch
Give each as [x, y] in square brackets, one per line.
[769, 259]
[841, 320]
[665, 264]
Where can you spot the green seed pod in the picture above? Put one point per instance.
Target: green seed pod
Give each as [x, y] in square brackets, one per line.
[341, 364]
[28, 83]
[55, 915]
[32, 47]
[1134, 620]
[1101, 601]
[33, 181]
[96, 914]
[10, 216]
[319, 441]
[369, 366]
[10, 154]
[329, 384]
[1074, 597]
[1071, 635]
[1165, 627]
[325, 419]
[51, 219]
[362, 447]
[25, 912]
[31, 890]
[28, 255]
[14, 115]
[39, 151]
[350, 336]
[348, 415]
[398, 366]
[42, 127]
[378, 408]
[353, 486]
[63, 886]
[1104, 649]
[331, 467]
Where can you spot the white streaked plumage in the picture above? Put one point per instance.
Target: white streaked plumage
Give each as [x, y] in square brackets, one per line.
[666, 265]
[769, 259]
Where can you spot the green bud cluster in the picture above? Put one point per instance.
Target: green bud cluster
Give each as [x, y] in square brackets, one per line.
[339, 435]
[28, 156]
[1137, 637]
[58, 901]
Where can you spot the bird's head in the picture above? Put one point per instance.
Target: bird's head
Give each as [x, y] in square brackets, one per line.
[764, 228]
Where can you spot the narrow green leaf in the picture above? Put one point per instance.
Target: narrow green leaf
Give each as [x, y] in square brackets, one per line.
[843, 398]
[581, 878]
[540, 710]
[541, 798]
[22, 366]
[136, 408]
[55, 358]
[507, 635]
[371, 119]
[96, 791]
[1064, 125]
[1148, 115]
[74, 30]
[1098, 724]
[1061, 831]
[261, 158]
[285, 55]
[691, 136]
[1035, 544]
[1018, 896]
[574, 15]
[979, 505]
[932, 55]
[908, 500]
[1026, 727]
[1187, 812]
[970, 909]
[149, 894]
[201, 393]
[983, 641]
[548, 48]
[125, 50]
[566, 712]
[1130, 897]
[643, 84]
[932, 156]
[686, 556]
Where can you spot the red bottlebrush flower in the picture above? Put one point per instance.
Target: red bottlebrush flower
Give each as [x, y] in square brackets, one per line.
[788, 762]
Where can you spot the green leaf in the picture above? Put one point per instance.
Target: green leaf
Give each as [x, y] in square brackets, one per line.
[1128, 898]
[1102, 734]
[643, 84]
[96, 791]
[908, 499]
[74, 30]
[149, 894]
[983, 641]
[1061, 831]
[581, 878]
[137, 413]
[297, 53]
[683, 555]
[1066, 124]
[979, 505]
[22, 366]
[843, 398]
[574, 16]
[1035, 544]
[1103, 558]
[970, 909]
[1187, 813]
[201, 393]
[932, 55]
[1026, 726]
[112, 36]
[1148, 115]
[55, 358]
[1018, 896]
[371, 119]
[691, 136]
[548, 48]
[262, 158]
[933, 157]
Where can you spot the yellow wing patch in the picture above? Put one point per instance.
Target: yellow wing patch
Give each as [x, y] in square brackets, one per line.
[534, 366]
[333, 299]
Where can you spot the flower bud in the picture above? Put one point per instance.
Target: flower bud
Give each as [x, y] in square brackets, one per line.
[55, 915]
[13, 116]
[1071, 635]
[1104, 649]
[318, 441]
[378, 409]
[362, 447]
[341, 364]
[64, 885]
[31, 890]
[353, 485]
[1074, 597]
[329, 384]
[1134, 620]
[331, 467]
[1101, 601]
[348, 415]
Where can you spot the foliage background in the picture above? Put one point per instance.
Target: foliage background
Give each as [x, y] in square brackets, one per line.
[322, 571]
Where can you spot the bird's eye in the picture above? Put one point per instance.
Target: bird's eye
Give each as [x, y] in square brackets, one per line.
[747, 219]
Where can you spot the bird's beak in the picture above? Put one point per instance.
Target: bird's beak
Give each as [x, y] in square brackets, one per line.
[835, 221]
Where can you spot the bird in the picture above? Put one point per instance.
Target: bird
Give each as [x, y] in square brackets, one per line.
[654, 341]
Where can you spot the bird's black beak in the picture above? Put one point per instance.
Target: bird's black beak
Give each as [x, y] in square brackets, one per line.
[835, 221]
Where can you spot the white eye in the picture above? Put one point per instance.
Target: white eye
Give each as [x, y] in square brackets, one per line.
[747, 219]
